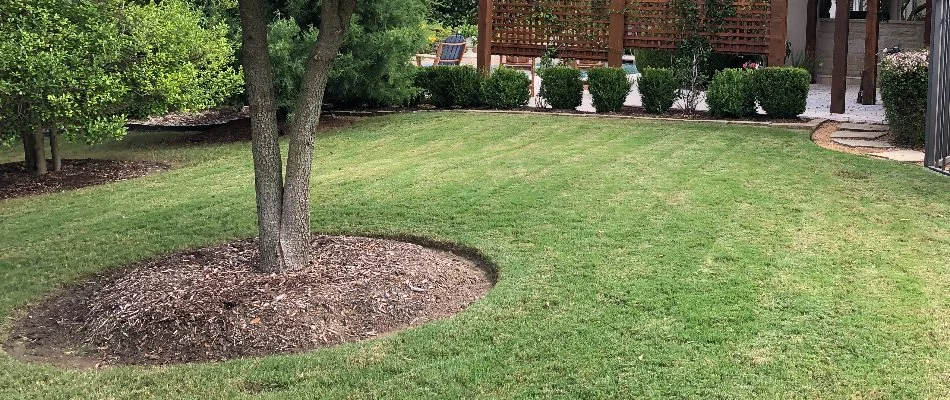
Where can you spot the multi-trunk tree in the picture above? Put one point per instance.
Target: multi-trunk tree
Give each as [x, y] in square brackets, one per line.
[283, 199]
[76, 69]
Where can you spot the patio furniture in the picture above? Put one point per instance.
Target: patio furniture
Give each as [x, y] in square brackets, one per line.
[523, 64]
[449, 52]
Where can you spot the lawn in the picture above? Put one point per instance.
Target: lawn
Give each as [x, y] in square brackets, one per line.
[636, 259]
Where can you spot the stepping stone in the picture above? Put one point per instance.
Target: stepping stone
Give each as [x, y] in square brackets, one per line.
[863, 127]
[879, 144]
[857, 135]
[902, 155]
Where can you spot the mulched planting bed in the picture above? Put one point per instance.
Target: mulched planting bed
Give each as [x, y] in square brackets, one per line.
[240, 131]
[200, 118]
[210, 304]
[15, 181]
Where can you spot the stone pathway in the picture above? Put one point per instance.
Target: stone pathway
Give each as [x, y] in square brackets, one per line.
[871, 137]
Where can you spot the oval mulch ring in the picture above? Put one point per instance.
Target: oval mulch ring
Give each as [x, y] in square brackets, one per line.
[15, 181]
[210, 304]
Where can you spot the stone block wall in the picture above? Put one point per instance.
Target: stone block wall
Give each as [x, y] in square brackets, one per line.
[904, 34]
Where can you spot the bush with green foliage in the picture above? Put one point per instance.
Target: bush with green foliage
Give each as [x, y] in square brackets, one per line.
[450, 85]
[79, 68]
[904, 84]
[561, 87]
[781, 91]
[506, 88]
[454, 13]
[653, 58]
[373, 66]
[608, 87]
[730, 94]
[659, 88]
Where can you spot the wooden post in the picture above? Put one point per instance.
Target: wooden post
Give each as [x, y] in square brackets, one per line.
[811, 35]
[928, 26]
[839, 71]
[483, 56]
[615, 33]
[872, 28]
[778, 33]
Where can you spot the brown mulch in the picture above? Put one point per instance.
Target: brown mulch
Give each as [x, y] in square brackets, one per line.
[671, 113]
[200, 118]
[239, 130]
[822, 137]
[15, 181]
[210, 304]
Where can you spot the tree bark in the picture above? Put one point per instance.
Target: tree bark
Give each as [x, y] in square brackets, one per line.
[295, 218]
[29, 155]
[264, 145]
[54, 150]
[39, 151]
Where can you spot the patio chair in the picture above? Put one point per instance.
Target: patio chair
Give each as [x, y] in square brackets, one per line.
[523, 64]
[585, 65]
[449, 52]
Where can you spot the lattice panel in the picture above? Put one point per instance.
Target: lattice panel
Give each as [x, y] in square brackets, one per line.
[576, 28]
[580, 28]
[651, 24]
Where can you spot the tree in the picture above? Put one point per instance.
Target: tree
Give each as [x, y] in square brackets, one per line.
[77, 68]
[283, 205]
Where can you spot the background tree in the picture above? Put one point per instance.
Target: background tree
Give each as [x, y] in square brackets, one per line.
[283, 201]
[78, 68]
[455, 13]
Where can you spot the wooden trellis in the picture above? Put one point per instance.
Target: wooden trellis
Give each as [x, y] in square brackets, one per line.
[601, 29]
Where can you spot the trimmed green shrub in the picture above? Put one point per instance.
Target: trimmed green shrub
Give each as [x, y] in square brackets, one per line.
[730, 94]
[653, 58]
[659, 89]
[506, 88]
[609, 88]
[781, 91]
[904, 80]
[449, 85]
[561, 87]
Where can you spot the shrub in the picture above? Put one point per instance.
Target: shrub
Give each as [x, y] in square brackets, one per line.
[561, 87]
[781, 91]
[449, 86]
[653, 58]
[659, 89]
[609, 88]
[506, 88]
[904, 79]
[730, 94]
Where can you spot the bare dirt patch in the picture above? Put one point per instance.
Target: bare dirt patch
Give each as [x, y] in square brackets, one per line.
[16, 181]
[210, 304]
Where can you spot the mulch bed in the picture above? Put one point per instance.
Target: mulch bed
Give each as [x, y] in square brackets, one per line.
[240, 131]
[201, 118]
[210, 304]
[631, 111]
[15, 181]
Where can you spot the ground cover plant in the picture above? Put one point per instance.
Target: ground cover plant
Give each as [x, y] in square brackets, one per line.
[624, 269]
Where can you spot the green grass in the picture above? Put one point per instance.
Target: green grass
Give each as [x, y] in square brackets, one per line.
[636, 259]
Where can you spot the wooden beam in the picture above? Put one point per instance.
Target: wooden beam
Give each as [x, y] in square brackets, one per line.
[928, 26]
[811, 34]
[483, 54]
[872, 27]
[778, 33]
[615, 33]
[839, 70]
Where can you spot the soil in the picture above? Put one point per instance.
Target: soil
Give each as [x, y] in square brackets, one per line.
[202, 118]
[671, 113]
[15, 181]
[210, 304]
[239, 130]
[822, 137]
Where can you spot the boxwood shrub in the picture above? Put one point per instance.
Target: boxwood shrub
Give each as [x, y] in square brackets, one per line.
[659, 89]
[781, 91]
[730, 94]
[608, 87]
[448, 86]
[561, 87]
[904, 79]
[506, 88]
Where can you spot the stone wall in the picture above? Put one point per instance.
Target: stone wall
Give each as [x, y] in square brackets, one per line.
[904, 34]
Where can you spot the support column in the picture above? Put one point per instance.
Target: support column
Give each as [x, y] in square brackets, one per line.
[778, 33]
[615, 33]
[872, 28]
[929, 25]
[839, 70]
[811, 34]
[483, 56]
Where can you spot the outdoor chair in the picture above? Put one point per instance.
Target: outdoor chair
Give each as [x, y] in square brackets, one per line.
[449, 52]
[523, 64]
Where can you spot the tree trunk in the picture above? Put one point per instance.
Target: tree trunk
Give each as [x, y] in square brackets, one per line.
[54, 150]
[39, 151]
[29, 155]
[264, 146]
[295, 218]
